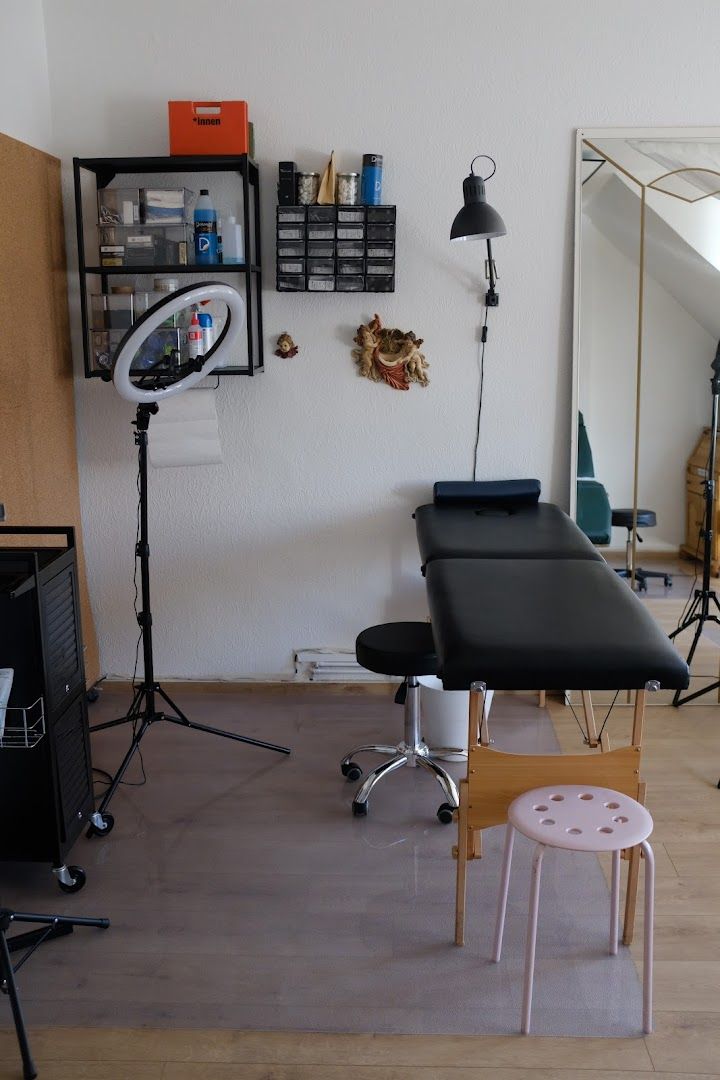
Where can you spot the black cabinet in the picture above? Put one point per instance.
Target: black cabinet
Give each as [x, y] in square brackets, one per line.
[107, 261]
[46, 792]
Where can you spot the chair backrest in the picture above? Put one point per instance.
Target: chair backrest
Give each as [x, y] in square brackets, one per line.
[585, 467]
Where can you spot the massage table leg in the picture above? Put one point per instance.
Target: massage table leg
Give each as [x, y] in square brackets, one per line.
[462, 860]
[542, 695]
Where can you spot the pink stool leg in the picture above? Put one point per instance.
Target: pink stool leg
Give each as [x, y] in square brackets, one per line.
[649, 937]
[531, 938]
[615, 904]
[502, 898]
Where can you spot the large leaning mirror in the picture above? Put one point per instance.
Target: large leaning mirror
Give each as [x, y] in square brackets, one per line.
[647, 325]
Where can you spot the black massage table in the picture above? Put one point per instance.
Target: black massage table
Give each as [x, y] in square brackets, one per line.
[520, 599]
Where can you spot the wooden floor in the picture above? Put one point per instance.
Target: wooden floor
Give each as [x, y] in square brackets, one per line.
[682, 766]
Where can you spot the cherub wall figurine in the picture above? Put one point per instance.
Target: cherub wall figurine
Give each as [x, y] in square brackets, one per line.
[389, 355]
[286, 346]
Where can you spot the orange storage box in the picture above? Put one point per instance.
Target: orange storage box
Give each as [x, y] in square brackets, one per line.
[209, 127]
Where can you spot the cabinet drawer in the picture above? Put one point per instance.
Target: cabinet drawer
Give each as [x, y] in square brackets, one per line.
[73, 770]
[62, 648]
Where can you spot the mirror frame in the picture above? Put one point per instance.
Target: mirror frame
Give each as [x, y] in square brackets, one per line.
[590, 134]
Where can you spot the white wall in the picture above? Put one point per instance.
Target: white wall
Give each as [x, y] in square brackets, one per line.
[304, 536]
[24, 86]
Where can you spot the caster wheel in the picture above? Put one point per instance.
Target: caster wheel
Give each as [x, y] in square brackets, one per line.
[350, 770]
[445, 814]
[79, 879]
[93, 830]
[92, 695]
[668, 583]
[359, 809]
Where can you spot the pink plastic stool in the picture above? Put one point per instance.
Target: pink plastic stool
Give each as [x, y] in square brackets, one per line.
[579, 819]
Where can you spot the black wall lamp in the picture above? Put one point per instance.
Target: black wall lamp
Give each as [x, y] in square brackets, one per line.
[479, 221]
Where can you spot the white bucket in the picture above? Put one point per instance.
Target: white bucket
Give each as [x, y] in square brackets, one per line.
[444, 715]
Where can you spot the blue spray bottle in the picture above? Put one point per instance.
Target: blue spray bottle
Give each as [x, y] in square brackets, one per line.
[206, 237]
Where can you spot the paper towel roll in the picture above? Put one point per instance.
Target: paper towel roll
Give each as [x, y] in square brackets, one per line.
[185, 431]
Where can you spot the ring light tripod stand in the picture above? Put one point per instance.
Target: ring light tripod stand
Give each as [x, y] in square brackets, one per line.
[705, 605]
[146, 709]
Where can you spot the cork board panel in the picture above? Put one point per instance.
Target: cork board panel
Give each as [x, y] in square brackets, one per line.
[38, 455]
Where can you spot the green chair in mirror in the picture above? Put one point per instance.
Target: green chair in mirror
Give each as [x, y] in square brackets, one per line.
[596, 517]
[594, 514]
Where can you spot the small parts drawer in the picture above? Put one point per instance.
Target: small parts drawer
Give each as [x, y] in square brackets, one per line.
[336, 248]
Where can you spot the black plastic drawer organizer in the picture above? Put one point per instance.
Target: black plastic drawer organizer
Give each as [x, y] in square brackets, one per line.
[336, 248]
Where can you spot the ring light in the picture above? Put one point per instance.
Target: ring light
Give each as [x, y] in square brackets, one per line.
[152, 319]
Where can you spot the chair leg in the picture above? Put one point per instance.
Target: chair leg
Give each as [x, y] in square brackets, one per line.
[649, 937]
[363, 792]
[446, 782]
[375, 748]
[462, 861]
[615, 903]
[531, 938]
[631, 895]
[504, 886]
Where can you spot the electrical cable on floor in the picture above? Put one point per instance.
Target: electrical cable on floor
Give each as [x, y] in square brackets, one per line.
[481, 366]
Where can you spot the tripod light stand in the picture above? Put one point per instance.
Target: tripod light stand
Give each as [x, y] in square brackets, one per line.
[705, 605]
[149, 697]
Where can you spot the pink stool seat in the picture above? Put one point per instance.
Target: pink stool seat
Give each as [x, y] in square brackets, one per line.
[580, 818]
[591, 819]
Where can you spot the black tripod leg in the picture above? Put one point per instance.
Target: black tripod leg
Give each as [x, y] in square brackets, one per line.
[29, 1070]
[693, 647]
[117, 778]
[132, 714]
[183, 721]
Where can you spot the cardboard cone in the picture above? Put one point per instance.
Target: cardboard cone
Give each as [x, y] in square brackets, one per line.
[326, 194]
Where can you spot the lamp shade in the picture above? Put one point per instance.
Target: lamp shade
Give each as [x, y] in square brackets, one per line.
[477, 220]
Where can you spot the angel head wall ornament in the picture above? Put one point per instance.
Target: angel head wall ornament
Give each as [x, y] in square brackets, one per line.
[286, 346]
[389, 355]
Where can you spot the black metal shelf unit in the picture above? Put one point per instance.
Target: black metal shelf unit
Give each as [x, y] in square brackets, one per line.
[102, 172]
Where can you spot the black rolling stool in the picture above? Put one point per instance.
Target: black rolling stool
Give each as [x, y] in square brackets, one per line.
[407, 649]
[647, 519]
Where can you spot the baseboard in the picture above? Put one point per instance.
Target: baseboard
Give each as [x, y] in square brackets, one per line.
[279, 685]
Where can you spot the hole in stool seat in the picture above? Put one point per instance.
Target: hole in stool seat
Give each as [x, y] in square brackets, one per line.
[620, 819]
[605, 829]
[540, 807]
[557, 798]
[547, 821]
[586, 796]
[612, 805]
[574, 832]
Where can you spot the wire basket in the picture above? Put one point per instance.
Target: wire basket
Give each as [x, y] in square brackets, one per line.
[24, 727]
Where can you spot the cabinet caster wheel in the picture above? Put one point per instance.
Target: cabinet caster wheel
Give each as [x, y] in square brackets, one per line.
[668, 583]
[351, 770]
[359, 809]
[92, 695]
[79, 878]
[107, 827]
[445, 814]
